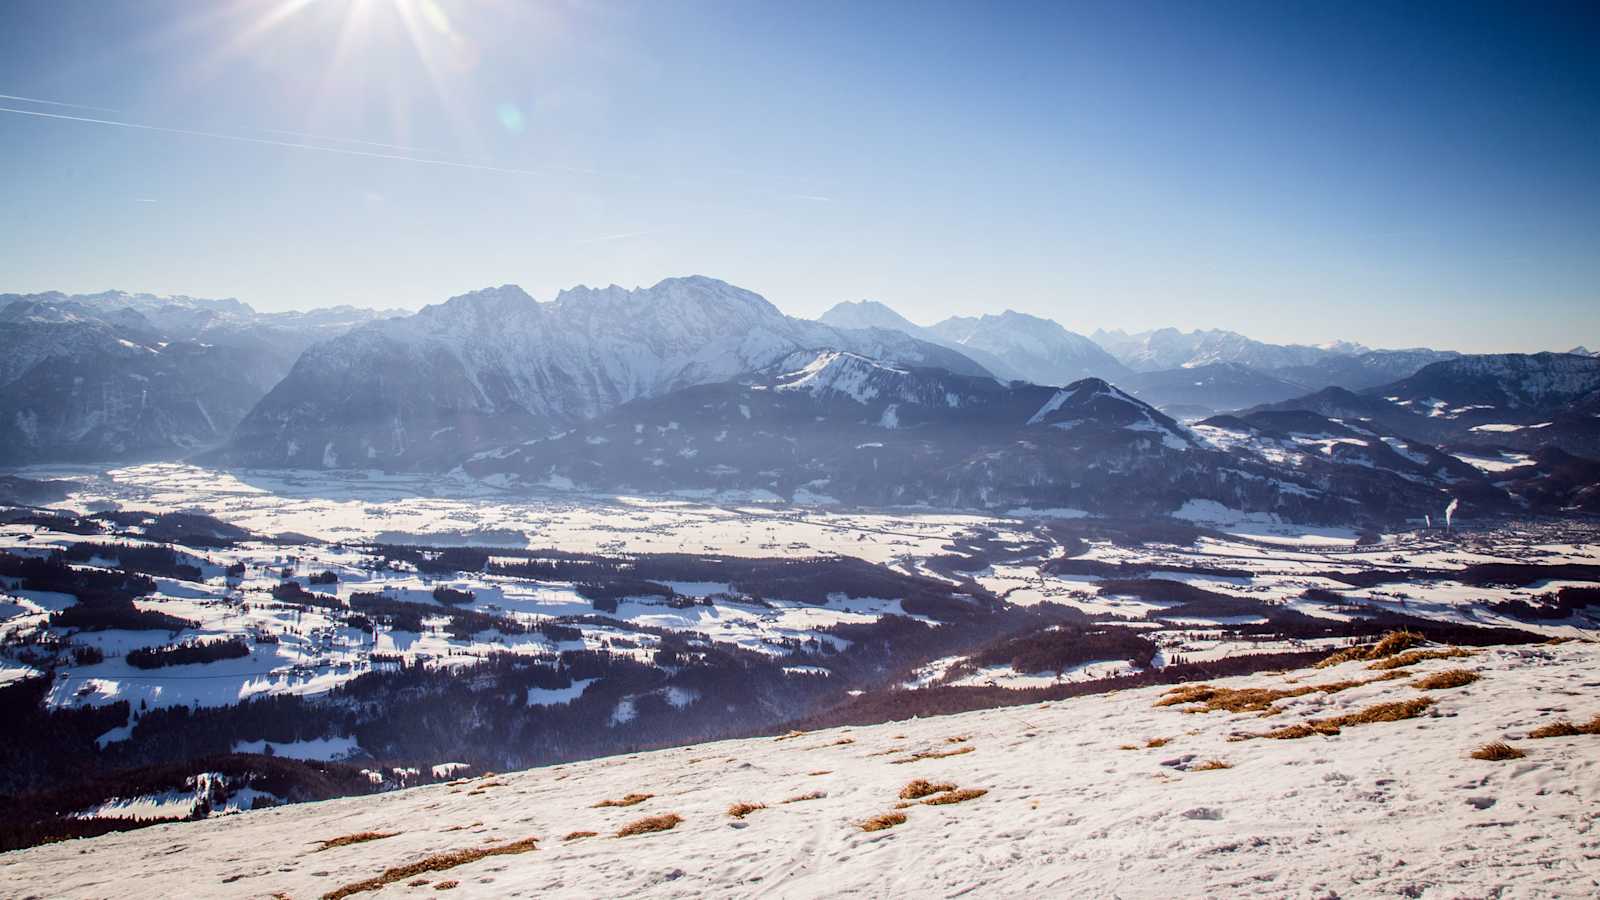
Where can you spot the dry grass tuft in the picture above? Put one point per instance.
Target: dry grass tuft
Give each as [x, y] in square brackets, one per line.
[956, 796]
[1211, 765]
[922, 787]
[1128, 747]
[630, 800]
[1498, 751]
[820, 772]
[1564, 728]
[789, 735]
[648, 824]
[958, 739]
[579, 835]
[360, 837]
[445, 885]
[883, 821]
[933, 754]
[438, 862]
[1449, 678]
[417, 882]
[1390, 644]
[740, 810]
[810, 795]
[1412, 657]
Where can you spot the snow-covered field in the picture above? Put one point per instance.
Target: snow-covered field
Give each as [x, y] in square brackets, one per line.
[1078, 802]
[364, 506]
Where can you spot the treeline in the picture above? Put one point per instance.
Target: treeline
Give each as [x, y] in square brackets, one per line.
[157, 560]
[1062, 647]
[105, 597]
[188, 653]
[1550, 605]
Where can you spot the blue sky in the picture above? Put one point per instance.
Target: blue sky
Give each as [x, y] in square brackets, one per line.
[1393, 173]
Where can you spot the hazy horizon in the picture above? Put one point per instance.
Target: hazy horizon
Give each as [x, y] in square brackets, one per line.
[1397, 177]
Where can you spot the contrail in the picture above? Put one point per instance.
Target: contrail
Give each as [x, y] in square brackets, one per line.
[301, 134]
[57, 103]
[294, 145]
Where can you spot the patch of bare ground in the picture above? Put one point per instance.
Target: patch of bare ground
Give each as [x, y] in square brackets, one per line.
[1379, 712]
[1563, 728]
[579, 835]
[446, 885]
[740, 810]
[1211, 765]
[1153, 743]
[960, 795]
[789, 735]
[933, 754]
[360, 837]
[438, 862]
[922, 787]
[884, 821]
[649, 824]
[630, 800]
[1449, 678]
[1499, 751]
[1388, 645]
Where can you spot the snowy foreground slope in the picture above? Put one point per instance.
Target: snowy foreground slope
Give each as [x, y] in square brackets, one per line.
[1077, 803]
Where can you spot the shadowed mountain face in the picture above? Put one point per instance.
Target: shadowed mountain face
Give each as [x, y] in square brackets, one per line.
[836, 426]
[1513, 400]
[496, 366]
[119, 376]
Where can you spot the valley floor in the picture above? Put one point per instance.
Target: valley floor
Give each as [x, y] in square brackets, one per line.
[1103, 796]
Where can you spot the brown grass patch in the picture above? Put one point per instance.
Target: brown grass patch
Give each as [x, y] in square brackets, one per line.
[1211, 765]
[1449, 678]
[630, 800]
[1412, 657]
[579, 835]
[1498, 751]
[445, 885]
[958, 739]
[1563, 728]
[883, 821]
[1388, 645]
[1129, 747]
[789, 735]
[417, 882]
[360, 837]
[957, 796]
[933, 754]
[801, 798]
[1380, 712]
[740, 810]
[820, 772]
[648, 824]
[1241, 700]
[922, 787]
[1157, 742]
[438, 862]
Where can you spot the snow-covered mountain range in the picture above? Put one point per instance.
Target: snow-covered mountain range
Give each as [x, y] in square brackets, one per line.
[1012, 345]
[837, 427]
[129, 376]
[495, 366]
